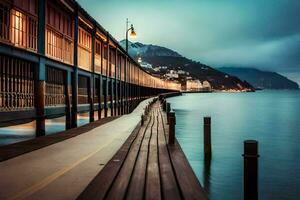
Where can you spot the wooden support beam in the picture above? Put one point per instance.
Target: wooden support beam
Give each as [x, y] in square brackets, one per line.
[92, 78]
[75, 72]
[105, 90]
[115, 84]
[39, 94]
[68, 87]
[41, 26]
[99, 96]
[40, 73]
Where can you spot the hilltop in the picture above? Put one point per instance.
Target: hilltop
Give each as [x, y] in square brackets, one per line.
[163, 61]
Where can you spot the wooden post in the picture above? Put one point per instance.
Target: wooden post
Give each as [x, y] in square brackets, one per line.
[172, 122]
[164, 105]
[250, 170]
[99, 92]
[142, 119]
[40, 90]
[105, 96]
[112, 96]
[168, 109]
[92, 77]
[40, 73]
[75, 72]
[68, 99]
[91, 99]
[207, 137]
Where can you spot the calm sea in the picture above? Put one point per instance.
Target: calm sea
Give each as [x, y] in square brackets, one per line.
[271, 117]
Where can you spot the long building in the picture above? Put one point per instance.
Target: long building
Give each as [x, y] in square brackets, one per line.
[56, 60]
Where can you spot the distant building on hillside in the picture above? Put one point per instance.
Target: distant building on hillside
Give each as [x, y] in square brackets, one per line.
[193, 85]
[146, 65]
[172, 74]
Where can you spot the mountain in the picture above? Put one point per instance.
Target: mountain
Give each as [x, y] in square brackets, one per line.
[261, 79]
[162, 56]
[138, 48]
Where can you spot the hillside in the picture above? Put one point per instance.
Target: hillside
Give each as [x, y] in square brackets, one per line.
[162, 56]
[261, 79]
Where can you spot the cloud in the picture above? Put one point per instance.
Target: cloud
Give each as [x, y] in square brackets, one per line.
[257, 33]
[279, 54]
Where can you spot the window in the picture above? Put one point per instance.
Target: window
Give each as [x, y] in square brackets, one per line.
[59, 33]
[98, 48]
[23, 30]
[19, 28]
[32, 34]
[59, 21]
[84, 49]
[4, 22]
[85, 39]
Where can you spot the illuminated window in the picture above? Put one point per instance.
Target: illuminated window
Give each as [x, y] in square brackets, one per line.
[84, 49]
[59, 33]
[23, 30]
[18, 28]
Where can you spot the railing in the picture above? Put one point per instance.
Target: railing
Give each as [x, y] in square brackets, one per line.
[83, 96]
[55, 88]
[16, 84]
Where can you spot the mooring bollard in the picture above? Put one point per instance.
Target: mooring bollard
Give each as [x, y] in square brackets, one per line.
[164, 105]
[172, 122]
[207, 137]
[250, 170]
[168, 109]
[142, 120]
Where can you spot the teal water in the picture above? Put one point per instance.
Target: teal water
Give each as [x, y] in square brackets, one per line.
[271, 117]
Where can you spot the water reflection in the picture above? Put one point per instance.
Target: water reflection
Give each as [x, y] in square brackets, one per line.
[17, 133]
[55, 125]
[271, 117]
[206, 175]
[83, 118]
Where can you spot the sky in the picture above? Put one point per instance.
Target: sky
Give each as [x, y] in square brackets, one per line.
[264, 34]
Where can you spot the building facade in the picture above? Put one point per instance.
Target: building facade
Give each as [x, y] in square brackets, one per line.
[56, 60]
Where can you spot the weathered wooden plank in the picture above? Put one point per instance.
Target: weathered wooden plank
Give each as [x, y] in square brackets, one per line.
[138, 179]
[119, 187]
[189, 185]
[169, 185]
[153, 190]
[100, 185]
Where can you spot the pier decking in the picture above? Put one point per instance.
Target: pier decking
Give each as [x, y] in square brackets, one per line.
[146, 167]
[64, 169]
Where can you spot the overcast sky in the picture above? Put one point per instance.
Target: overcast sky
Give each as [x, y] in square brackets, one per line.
[249, 33]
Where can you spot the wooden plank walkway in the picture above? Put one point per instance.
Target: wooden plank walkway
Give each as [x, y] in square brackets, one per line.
[146, 167]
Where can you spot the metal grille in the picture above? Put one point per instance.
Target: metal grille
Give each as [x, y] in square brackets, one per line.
[16, 84]
[55, 87]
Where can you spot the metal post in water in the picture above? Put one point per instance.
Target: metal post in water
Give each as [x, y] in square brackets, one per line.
[207, 137]
[172, 122]
[250, 170]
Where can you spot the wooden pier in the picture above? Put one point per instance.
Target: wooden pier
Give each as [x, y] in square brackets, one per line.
[147, 167]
